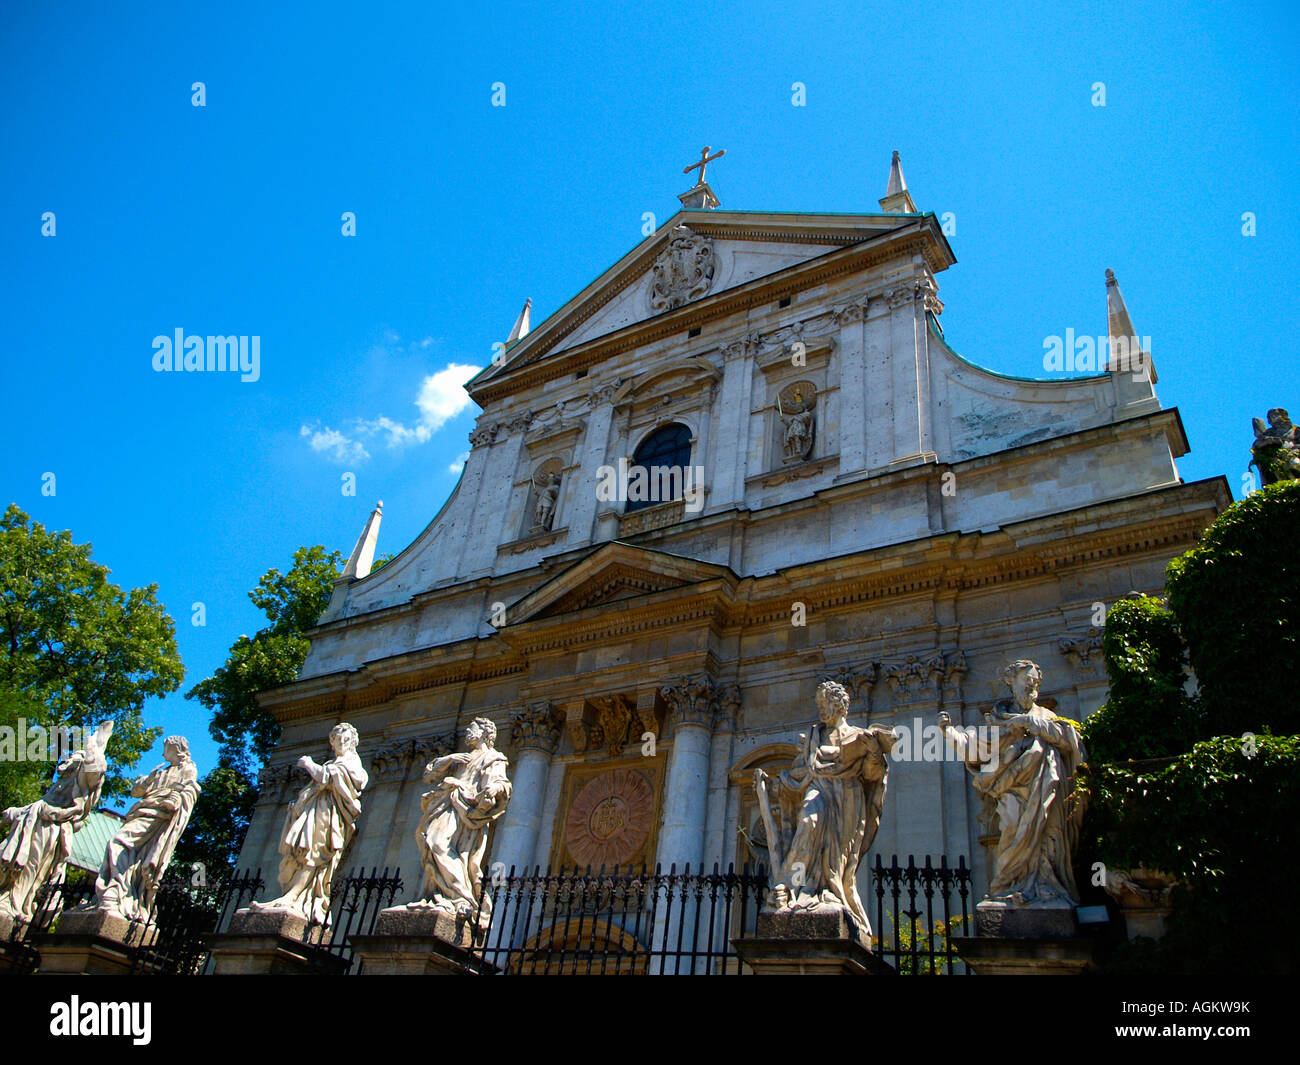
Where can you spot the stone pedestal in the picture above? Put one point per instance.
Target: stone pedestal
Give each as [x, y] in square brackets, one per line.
[1143, 896]
[1024, 940]
[418, 941]
[1006, 920]
[1027, 956]
[272, 943]
[92, 943]
[824, 941]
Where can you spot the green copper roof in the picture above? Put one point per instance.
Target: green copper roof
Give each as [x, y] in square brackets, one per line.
[91, 840]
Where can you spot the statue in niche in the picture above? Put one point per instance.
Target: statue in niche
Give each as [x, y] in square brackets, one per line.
[821, 815]
[470, 791]
[1276, 451]
[1026, 768]
[796, 415]
[138, 856]
[35, 852]
[548, 496]
[317, 828]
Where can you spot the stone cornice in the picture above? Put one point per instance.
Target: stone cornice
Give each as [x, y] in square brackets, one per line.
[946, 564]
[858, 256]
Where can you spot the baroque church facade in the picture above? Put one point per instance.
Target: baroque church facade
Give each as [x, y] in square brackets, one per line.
[834, 493]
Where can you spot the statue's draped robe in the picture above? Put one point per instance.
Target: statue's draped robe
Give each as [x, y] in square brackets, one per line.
[317, 828]
[831, 800]
[1029, 778]
[36, 849]
[453, 832]
[139, 854]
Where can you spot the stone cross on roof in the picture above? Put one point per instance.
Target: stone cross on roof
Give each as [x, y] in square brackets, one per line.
[701, 196]
[705, 159]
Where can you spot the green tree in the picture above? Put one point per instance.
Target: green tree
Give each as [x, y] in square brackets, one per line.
[75, 649]
[1237, 599]
[248, 734]
[1148, 713]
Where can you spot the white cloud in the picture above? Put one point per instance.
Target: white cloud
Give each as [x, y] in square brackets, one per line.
[442, 396]
[343, 448]
[459, 464]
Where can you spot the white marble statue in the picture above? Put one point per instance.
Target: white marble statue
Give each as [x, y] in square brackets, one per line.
[1026, 768]
[138, 856]
[822, 813]
[35, 852]
[317, 828]
[470, 791]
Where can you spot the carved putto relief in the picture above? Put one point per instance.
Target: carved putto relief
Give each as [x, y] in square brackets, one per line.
[683, 271]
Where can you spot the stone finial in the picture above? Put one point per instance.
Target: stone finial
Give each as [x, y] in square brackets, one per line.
[1125, 345]
[521, 327]
[897, 199]
[363, 555]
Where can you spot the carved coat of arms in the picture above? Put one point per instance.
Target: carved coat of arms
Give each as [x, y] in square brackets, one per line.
[683, 271]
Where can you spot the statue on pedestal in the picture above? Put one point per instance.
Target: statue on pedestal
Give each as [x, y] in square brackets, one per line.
[470, 791]
[138, 856]
[1027, 769]
[1276, 451]
[822, 813]
[317, 828]
[35, 852]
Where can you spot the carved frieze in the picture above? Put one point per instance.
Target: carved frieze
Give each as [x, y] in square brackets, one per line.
[747, 345]
[400, 758]
[932, 676]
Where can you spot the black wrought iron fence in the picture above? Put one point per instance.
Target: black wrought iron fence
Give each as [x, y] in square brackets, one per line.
[355, 902]
[927, 905]
[623, 922]
[51, 900]
[175, 940]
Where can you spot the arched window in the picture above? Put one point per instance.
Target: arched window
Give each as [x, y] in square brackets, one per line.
[659, 452]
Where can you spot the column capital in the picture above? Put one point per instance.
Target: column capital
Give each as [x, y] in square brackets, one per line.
[537, 727]
[699, 702]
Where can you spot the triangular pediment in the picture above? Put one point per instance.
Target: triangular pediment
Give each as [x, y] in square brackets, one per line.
[612, 572]
[715, 252]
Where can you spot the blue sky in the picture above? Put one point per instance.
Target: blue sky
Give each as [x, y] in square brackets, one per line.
[225, 219]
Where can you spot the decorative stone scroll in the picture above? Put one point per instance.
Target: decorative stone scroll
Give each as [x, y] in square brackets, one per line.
[683, 271]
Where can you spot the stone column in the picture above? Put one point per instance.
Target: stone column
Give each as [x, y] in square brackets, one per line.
[692, 707]
[535, 734]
